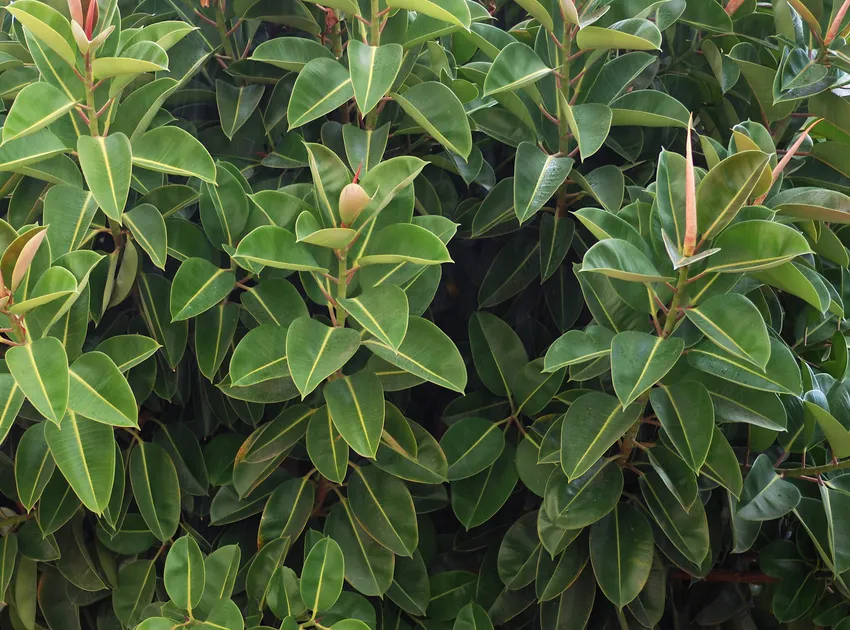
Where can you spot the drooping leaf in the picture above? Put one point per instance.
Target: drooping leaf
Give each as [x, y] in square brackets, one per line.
[106, 163]
[439, 112]
[41, 371]
[536, 178]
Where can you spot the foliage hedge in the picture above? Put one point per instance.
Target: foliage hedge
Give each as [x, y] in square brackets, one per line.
[438, 314]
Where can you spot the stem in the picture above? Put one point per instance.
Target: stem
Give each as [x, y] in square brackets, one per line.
[678, 298]
[93, 126]
[336, 36]
[815, 470]
[375, 29]
[564, 85]
[14, 520]
[341, 288]
[117, 237]
[222, 31]
[374, 40]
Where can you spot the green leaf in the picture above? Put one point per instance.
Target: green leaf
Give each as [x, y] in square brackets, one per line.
[356, 406]
[322, 86]
[276, 247]
[316, 351]
[322, 577]
[622, 575]
[290, 53]
[36, 147]
[198, 286]
[11, 400]
[576, 347]
[373, 72]
[632, 34]
[185, 573]
[426, 352]
[537, 177]
[259, 356]
[325, 446]
[173, 151]
[100, 392]
[781, 375]
[648, 108]
[106, 164]
[573, 607]
[49, 26]
[519, 553]
[426, 463]
[497, 352]
[590, 125]
[287, 509]
[726, 188]
[156, 489]
[148, 229]
[620, 259]
[639, 360]
[384, 507]
[405, 242]
[35, 107]
[34, 465]
[573, 504]
[516, 66]
[556, 575]
[476, 499]
[155, 292]
[284, 596]
[382, 311]
[471, 445]
[138, 110]
[224, 208]
[735, 324]
[756, 245]
[686, 413]
[41, 371]
[451, 11]
[765, 495]
[686, 530]
[68, 211]
[84, 452]
[135, 59]
[236, 104]
[592, 424]
[836, 433]
[437, 109]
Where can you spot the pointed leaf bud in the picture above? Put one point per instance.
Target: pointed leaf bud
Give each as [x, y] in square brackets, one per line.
[352, 200]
